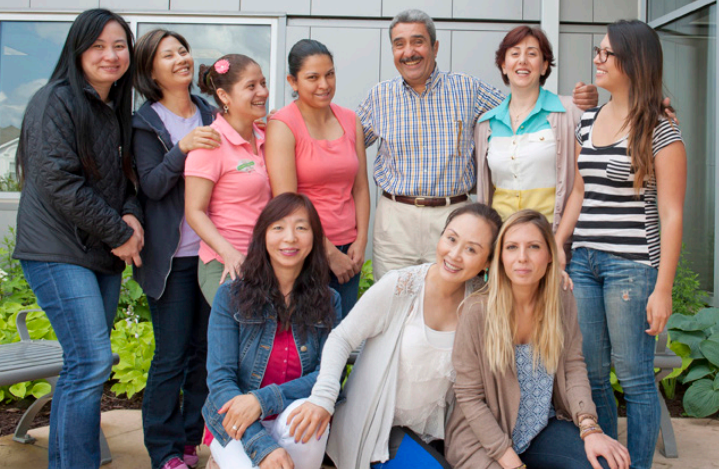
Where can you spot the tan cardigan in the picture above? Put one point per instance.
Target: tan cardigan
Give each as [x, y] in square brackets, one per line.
[480, 428]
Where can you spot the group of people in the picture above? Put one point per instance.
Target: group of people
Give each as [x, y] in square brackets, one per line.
[477, 349]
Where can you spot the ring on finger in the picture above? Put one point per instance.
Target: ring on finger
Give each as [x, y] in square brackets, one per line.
[234, 427]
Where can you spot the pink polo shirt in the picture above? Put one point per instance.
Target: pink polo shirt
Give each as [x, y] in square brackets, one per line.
[242, 187]
[326, 171]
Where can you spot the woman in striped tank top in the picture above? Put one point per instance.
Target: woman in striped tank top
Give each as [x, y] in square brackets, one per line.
[631, 175]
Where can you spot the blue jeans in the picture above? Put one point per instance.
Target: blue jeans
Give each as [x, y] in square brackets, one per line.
[348, 291]
[179, 321]
[81, 305]
[612, 294]
[558, 446]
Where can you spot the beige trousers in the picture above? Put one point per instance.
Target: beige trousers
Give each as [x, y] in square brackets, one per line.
[406, 235]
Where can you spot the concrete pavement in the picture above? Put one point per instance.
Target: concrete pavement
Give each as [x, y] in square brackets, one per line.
[697, 440]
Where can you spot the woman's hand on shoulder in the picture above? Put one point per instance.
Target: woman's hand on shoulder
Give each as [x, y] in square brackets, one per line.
[240, 412]
[129, 252]
[306, 420]
[233, 260]
[599, 444]
[278, 459]
[200, 137]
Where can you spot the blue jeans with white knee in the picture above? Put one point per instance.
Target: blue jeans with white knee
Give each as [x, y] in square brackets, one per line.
[612, 294]
[81, 305]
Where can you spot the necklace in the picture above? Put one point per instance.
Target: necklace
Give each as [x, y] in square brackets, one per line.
[516, 117]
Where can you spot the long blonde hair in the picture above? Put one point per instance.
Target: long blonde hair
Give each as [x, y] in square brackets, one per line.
[547, 334]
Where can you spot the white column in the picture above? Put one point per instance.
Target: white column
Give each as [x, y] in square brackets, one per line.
[549, 18]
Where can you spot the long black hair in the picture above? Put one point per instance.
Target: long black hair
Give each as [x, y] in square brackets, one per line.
[83, 33]
[310, 301]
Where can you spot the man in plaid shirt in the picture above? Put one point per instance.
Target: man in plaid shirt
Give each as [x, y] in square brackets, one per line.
[424, 121]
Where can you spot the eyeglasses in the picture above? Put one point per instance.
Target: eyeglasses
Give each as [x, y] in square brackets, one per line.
[603, 54]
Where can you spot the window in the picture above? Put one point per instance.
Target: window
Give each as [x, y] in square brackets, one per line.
[30, 45]
[28, 53]
[690, 77]
[208, 42]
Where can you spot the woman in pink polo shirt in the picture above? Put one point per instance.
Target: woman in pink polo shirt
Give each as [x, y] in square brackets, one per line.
[316, 148]
[227, 187]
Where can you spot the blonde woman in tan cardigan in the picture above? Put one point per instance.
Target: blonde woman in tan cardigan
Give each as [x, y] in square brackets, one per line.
[523, 397]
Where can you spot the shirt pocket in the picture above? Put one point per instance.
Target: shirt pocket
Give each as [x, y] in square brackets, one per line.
[618, 170]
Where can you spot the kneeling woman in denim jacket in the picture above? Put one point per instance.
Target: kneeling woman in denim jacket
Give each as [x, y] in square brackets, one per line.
[266, 332]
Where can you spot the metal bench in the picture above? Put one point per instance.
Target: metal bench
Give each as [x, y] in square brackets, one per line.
[28, 360]
[666, 360]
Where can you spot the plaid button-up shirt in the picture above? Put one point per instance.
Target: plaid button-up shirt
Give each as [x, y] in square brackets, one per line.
[426, 146]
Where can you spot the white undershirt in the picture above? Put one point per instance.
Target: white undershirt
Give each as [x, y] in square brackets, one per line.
[425, 376]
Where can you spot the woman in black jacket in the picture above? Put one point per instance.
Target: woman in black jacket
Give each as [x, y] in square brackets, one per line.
[78, 219]
[170, 124]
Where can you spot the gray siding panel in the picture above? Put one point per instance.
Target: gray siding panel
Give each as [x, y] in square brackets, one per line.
[574, 63]
[487, 9]
[608, 11]
[473, 53]
[290, 7]
[367, 8]
[216, 5]
[63, 4]
[135, 5]
[531, 9]
[357, 67]
[15, 4]
[576, 11]
[434, 8]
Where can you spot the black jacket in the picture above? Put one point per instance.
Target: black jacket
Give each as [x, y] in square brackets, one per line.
[160, 167]
[65, 215]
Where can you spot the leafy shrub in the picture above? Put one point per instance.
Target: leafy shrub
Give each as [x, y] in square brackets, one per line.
[134, 342]
[15, 295]
[366, 277]
[687, 296]
[8, 183]
[132, 338]
[697, 337]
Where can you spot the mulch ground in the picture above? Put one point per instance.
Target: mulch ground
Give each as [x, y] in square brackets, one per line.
[10, 414]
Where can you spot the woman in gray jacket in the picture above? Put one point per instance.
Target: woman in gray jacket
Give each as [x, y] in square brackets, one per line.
[171, 123]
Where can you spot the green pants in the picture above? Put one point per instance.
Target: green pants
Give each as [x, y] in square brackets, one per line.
[208, 276]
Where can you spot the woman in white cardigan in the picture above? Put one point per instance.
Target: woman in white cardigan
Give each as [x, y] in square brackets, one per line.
[400, 389]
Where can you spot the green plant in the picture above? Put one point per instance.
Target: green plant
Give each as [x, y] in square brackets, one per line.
[687, 296]
[133, 302]
[132, 338]
[366, 277]
[697, 337]
[134, 341]
[16, 295]
[8, 183]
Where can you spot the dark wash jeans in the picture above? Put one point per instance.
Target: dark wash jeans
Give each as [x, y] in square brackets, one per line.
[348, 291]
[81, 305]
[179, 321]
[558, 446]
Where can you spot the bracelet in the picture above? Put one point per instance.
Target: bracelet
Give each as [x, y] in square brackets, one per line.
[523, 466]
[589, 430]
[582, 417]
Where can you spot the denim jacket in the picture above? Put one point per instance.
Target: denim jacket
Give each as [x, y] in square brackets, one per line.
[237, 356]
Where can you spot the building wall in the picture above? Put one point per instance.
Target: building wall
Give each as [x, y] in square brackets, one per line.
[469, 32]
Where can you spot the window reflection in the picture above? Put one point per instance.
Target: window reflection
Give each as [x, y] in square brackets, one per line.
[690, 69]
[208, 42]
[28, 53]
